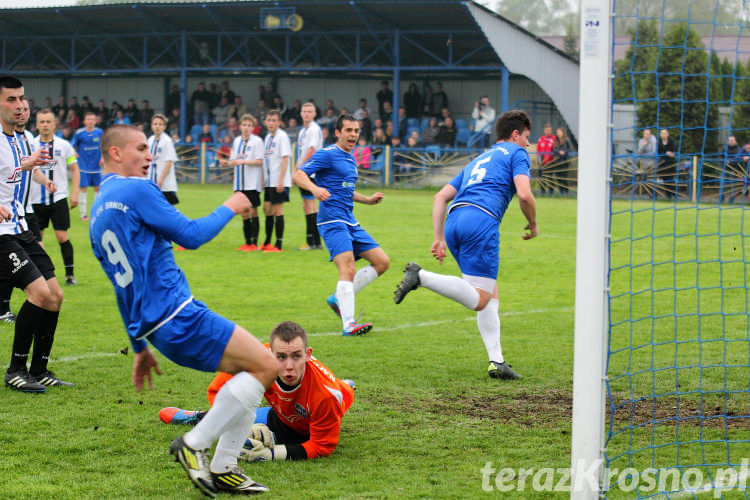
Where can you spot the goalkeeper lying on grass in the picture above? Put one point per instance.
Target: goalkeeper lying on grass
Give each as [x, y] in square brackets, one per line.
[307, 403]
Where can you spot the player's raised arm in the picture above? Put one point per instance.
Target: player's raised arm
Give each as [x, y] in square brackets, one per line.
[528, 204]
[302, 180]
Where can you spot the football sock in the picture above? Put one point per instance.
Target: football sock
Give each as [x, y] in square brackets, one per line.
[82, 204]
[254, 230]
[229, 446]
[66, 249]
[364, 277]
[234, 405]
[451, 287]
[24, 334]
[488, 322]
[247, 230]
[269, 229]
[44, 336]
[345, 296]
[316, 234]
[279, 231]
[311, 225]
[6, 289]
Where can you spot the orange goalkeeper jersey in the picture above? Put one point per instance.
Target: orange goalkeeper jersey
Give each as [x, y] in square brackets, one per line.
[313, 408]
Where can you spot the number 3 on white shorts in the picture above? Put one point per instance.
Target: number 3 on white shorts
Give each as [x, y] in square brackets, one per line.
[478, 173]
[116, 255]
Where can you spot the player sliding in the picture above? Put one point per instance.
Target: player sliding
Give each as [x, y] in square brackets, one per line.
[481, 193]
[132, 227]
[307, 403]
[335, 172]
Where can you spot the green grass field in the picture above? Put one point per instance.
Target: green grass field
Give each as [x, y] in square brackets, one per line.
[425, 420]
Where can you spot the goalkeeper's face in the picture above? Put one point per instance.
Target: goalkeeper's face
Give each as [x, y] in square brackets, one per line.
[292, 357]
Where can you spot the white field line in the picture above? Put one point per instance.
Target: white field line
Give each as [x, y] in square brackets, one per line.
[90, 355]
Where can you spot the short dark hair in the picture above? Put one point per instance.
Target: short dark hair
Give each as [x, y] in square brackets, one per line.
[87, 113]
[344, 118]
[273, 112]
[515, 119]
[10, 82]
[286, 331]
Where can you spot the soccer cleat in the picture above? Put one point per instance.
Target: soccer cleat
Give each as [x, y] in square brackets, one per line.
[195, 463]
[266, 246]
[355, 329]
[333, 303]
[84, 217]
[409, 282]
[502, 370]
[70, 280]
[350, 382]
[237, 482]
[243, 247]
[49, 379]
[8, 317]
[23, 381]
[176, 416]
[251, 248]
[272, 249]
[305, 247]
[179, 248]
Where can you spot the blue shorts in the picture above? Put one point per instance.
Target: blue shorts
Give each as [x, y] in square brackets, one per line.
[306, 195]
[472, 238]
[196, 337]
[92, 179]
[340, 237]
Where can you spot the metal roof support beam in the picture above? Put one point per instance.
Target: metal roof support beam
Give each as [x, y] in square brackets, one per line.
[504, 90]
[183, 84]
[126, 52]
[370, 30]
[396, 83]
[167, 49]
[425, 50]
[157, 35]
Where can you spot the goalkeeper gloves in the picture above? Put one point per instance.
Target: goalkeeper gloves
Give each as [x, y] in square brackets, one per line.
[256, 451]
[261, 432]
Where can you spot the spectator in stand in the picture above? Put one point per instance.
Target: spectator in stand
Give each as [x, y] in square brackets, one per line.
[201, 104]
[293, 112]
[215, 96]
[562, 149]
[47, 103]
[113, 112]
[261, 111]
[430, 132]
[86, 106]
[60, 109]
[378, 124]
[279, 105]
[221, 112]
[121, 118]
[384, 95]
[173, 99]
[102, 111]
[427, 106]
[318, 112]
[365, 126]
[231, 129]
[731, 150]
[666, 151]
[484, 117]
[401, 123]
[72, 121]
[444, 114]
[225, 92]
[271, 92]
[328, 121]
[387, 113]
[329, 105]
[447, 135]
[206, 135]
[173, 124]
[75, 107]
[362, 153]
[412, 101]
[646, 148]
[237, 110]
[328, 138]
[545, 157]
[189, 139]
[145, 114]
[414, 137]
[389, 130]
[362, 107]
[262, 92]
[132, 112]
[379, 138]
[396, 142]
[99, 123]
[439, 98]
[292, 130]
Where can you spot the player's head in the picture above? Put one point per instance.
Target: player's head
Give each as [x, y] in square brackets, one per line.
[289, 344]
[45, 122]
[347, 132]
[247, 124]
[547, 129]
[307, 112]
[125, 151]
[13, 100]
[158, 123]
[89, 120]
[25, 115]
[664, 134]
[514, 126]
[273, 119]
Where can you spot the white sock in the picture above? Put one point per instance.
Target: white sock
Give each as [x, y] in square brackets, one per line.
[345, 296]
[82, 204]
[229, 446]
[488, 321]
[451, 287]
[364, 277]
[234, 406]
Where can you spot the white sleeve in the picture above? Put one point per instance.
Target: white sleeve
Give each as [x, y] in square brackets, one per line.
[316, 141]
[257, 151]
[285, 148]
[171, 154]
[233, 154]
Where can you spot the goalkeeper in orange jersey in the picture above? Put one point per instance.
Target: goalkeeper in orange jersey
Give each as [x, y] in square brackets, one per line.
[307, 403]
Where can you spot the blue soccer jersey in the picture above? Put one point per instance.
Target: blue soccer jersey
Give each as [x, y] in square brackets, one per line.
[487, 182]
[132, 227]
[88, 147]
[335, 170]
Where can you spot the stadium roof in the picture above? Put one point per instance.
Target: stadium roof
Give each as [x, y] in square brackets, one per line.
[350, 36]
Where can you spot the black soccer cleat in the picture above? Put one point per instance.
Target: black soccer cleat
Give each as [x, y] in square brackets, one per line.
[195, 463]
[237, 482]
[502, 370]
[23, 381]
[49, 379]
[70, 280]
[8, 317]
[409, 282]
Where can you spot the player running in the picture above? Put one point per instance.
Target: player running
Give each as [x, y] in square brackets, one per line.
[307, 403]
[336, 176]
[481, 193]
[132, 227]
[87, 142]
[247, 159]
[310, 140]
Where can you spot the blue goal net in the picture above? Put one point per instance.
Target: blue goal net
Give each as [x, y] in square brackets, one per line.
[678, 366]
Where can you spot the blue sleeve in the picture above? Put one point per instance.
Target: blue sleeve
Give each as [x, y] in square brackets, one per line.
[166, 220]
[457, 180]
[137, 344]
[520, 163]
[316, 163]
[74, 141]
